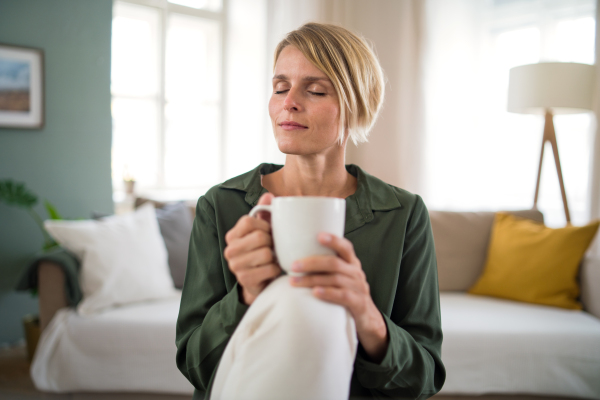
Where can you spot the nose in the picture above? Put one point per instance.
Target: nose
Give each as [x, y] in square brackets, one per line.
[290, 103]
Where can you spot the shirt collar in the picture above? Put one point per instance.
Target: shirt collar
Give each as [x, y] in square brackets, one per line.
[372, 194]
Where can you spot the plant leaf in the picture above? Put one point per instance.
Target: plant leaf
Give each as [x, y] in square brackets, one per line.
[16, 194]
[52, 211]
[49, 245]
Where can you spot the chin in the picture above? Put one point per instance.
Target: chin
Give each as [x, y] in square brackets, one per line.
[292, 144]
[303, 149]
[293, 149]
[301, 145]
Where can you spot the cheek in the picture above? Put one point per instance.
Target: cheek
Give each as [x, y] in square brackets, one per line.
[273, 107]
[331, 117]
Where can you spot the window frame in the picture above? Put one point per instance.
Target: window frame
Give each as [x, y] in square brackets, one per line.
[165, 9]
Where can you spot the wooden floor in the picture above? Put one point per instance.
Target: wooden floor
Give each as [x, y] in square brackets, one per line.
[15, 383]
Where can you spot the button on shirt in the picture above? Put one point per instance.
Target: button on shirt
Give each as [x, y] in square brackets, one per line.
[392, 237]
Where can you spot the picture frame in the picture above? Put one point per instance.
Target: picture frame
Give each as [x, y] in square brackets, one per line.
[21, 87]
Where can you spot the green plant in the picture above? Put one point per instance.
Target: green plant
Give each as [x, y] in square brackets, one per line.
[16, 194]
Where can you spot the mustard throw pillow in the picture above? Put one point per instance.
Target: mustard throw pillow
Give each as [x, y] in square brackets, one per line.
[527, 261]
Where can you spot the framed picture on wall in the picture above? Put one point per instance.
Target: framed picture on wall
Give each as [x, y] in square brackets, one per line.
[21, 87]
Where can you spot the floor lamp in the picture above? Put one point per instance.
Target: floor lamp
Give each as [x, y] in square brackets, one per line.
[549, 89]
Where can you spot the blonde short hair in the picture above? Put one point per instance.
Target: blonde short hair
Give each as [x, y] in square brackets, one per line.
[351, 65]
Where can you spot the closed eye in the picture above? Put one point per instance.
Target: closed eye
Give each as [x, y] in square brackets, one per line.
[281, 91]
[317, 93]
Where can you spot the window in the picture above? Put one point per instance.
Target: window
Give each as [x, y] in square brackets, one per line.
[167, 95]
[479, 156]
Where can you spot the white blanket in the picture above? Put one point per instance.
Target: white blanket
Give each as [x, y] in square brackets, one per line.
[500, 346]
[289, 345]
[126, 349]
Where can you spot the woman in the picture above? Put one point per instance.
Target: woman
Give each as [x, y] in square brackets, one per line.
[327, 87]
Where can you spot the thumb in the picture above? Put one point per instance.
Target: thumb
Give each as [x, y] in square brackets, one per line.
[265, 199]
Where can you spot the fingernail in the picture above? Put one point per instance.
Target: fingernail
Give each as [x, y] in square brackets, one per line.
[295, 279]
[319, 290]
[297, 266]
[326, 237]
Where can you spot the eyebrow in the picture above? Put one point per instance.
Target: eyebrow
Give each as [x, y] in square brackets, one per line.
[307, 78]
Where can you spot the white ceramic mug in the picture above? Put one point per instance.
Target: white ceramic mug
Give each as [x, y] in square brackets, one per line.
[297, 220]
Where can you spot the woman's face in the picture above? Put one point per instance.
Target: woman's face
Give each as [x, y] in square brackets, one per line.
[304, 107]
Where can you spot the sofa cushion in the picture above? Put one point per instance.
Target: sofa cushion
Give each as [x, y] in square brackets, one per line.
[123, 258]
[461, 243]
[175, 224]
[502, 346]
[528, 261]
[175, 221]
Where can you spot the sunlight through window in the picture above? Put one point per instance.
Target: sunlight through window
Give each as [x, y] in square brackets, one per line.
[166, 107]
[479, 156]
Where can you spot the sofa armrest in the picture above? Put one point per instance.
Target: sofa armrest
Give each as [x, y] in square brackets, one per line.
[51, 291]
[590, 285]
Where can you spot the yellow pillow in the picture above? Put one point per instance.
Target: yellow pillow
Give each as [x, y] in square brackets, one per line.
[527, 261]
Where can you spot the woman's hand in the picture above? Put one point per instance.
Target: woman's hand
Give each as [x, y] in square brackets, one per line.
[341, 280]
[249, 253]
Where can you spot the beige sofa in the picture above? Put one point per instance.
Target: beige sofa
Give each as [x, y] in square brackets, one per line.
[491, 347]
[507, 347]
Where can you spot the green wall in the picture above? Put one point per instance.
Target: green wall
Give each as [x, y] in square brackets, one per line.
[68, 161]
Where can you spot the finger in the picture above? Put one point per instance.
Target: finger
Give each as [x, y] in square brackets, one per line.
[328, 280]
[323, 264]
[253, 259]
[266, 199]
[259, 276]
[342, 246]
[244, 226]
[252, 241]
[343, 297]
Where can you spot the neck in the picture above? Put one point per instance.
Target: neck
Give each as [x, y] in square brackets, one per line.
[312, 175]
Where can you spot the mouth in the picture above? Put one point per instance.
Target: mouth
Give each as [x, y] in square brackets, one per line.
[291, 126]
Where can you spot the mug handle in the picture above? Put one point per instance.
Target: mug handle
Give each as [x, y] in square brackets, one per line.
[257, 209]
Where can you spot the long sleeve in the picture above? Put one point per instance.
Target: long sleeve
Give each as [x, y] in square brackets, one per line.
[412, 366]
[209, 312]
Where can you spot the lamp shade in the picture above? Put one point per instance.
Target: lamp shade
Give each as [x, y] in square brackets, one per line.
[565, 88]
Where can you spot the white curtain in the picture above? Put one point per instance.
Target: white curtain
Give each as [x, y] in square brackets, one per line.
[394, 152]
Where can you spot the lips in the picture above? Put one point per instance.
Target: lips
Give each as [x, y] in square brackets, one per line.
[291, 125]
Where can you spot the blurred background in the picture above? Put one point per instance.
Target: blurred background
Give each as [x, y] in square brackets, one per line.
[172, 95]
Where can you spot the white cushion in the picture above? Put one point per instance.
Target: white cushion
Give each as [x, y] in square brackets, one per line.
[123, 258]
[500, 346]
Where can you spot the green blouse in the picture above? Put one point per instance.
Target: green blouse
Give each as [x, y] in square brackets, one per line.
[391, 233]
